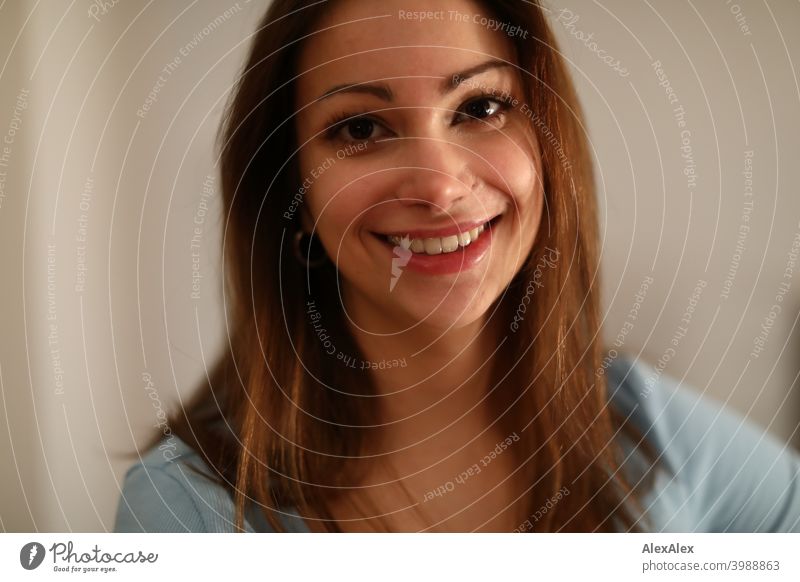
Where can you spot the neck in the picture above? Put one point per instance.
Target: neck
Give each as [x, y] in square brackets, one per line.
[433, 382]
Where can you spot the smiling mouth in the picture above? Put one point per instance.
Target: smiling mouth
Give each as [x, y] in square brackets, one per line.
[441, 245]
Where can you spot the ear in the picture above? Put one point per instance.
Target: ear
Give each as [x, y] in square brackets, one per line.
[306, 221]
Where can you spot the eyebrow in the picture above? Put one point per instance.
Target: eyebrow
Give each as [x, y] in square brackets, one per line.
[384, 92]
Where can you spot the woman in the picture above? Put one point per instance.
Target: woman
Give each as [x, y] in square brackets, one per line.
[411, 255]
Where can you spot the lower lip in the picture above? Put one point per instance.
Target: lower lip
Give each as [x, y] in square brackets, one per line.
[447, 263]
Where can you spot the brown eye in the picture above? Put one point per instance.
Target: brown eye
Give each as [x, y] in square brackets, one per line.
[479, 109]
[354, 128]
[360, 128]
[482, 108]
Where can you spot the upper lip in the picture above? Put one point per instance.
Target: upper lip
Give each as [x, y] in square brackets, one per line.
[451, 230]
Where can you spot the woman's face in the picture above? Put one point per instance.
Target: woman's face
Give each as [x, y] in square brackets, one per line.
[407, 146]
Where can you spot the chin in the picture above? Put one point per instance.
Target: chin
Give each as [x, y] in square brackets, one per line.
[454, 309]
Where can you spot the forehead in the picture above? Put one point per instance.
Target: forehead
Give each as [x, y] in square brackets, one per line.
[361, 41]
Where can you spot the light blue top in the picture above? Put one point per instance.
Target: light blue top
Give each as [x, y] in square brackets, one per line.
[720, 472]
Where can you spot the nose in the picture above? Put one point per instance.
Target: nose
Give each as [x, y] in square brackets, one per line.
[435, 173]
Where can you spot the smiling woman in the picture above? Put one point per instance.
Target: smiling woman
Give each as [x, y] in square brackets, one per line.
[419, 190]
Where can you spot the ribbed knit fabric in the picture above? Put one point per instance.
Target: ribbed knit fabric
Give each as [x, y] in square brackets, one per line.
[719, 472]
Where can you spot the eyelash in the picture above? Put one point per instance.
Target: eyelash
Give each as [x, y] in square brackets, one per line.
[339, 121]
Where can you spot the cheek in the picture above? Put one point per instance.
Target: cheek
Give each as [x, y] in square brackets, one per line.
[511, 168]
[509, 164]
[337, 199]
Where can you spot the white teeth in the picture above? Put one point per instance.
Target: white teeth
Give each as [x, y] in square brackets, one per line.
[449, 244]
[433, 246]
[436, 246]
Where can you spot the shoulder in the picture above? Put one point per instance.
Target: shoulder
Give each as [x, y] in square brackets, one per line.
[717, 471]
[658, 405]
[171, 489]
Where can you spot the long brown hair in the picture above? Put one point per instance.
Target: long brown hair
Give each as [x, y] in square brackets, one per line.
[266, 423]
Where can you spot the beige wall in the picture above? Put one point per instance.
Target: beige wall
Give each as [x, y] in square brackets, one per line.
[738, 93]
[85, 164]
